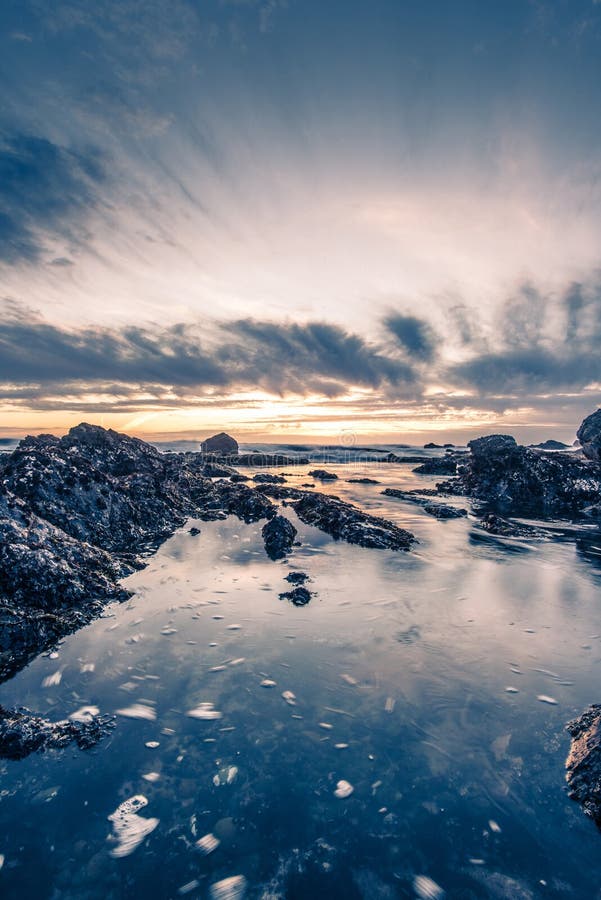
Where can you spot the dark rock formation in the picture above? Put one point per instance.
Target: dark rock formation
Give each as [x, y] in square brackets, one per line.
[221, 443]
[266, 478]
[299, 596]
[215, 470]
[443, 465]
[296, 577]
[432, 446]
[278, 534]
[497, 525]
[550, 445]
[583, 765]
[22, 733]
[323, 475]
[194, 531]
[515, 480]
[343, 521]
[256, 460]
[437, 510]
[362, 481]
[589, 435]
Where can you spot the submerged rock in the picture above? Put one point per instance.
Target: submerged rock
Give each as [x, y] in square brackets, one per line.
[444, 465]
[583, 765]
[437, 510]
[266, 478]
[296, 577]
[589, 435]
[22, 732]
[278, 534]
[298, 596]
[362, 481]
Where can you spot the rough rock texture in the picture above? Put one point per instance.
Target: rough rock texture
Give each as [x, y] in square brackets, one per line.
[497, 525]
[442, 465]
[22, 732]
[278, 534]
[323, 475]
[589, 435]
[362, 481]
[515, 480]
[266, 478]
[550, 445]
[296, 577]
[437, 510]
[583, 765]
[347, 523]
[220, 443]
[298, 596]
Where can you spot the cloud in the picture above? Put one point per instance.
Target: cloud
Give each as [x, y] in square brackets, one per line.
[414, 335]
[39, 361]
[43, 187]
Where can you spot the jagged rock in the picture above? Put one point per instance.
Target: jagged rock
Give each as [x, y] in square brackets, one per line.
[345, 522]
[22, 732]
[515, 480]
[497, 525]
[266, 478]
[296, 577]
[437, 510]
[583, 765]
[323, 475]
[299, 596]
[221, 443]
[194, 531]
[550, 445]
[362, 481]
[443, 465]
[589, 435]
[432, 446]
[271, 460]
[214, 470]
[278, 534]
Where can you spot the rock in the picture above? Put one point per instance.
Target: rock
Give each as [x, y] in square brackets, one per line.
[278, 534]
[343, 521]
[583, 765]
[214, 470]
[296, 577]
[194, 531]
[432, 446]
[444, 511]
[550, 445]
[497, 525]
[266, 478]
[515, 480]
[443, 465]
[298, 596]
[221, 443]
[323, 475]
[22, 733]
[589, 435]
[438, 510]
[271, 460]
[362, 481]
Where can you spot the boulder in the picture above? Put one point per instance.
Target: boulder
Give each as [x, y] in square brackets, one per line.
[298, 596]
[278, 534]
[221, 443]
[323, 475]
[589, 435]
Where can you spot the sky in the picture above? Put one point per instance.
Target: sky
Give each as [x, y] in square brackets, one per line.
[298, 219]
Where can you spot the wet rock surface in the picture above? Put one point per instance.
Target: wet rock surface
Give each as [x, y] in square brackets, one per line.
[22, 732]
[583, 765]
[515, 480]
[323, 475]
[279, 535]
[444, 465]
[589, 435]
[437, 510]
[296, 577]
[362, 481]
[298, 596]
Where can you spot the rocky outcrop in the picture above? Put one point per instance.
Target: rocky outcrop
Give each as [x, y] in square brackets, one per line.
[343, 521]
[362, 481]
[22, 732]
[589, 435]
[279, 535]
[583, 765]
[437, 510]
[442, 465]
[515, 480]
[550, 445]
[221, 443]
[266, 478]
[323, 475]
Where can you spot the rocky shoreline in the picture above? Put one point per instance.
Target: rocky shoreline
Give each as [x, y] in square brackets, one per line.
[81, 512]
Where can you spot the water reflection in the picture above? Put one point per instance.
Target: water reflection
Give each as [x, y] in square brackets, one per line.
[413, 678]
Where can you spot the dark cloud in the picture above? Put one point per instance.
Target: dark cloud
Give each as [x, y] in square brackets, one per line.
[42, 187]
[415, 336]
[544, 344]
[39, 360]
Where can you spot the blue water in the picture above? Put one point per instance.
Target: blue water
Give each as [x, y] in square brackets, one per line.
[404, 658]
